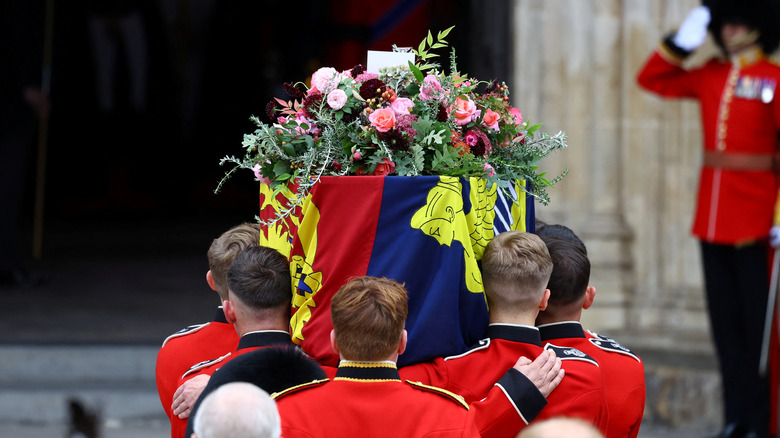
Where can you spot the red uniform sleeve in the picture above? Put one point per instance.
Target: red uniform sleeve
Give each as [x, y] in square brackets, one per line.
[664, 75]
[509, 406]
[165, 378]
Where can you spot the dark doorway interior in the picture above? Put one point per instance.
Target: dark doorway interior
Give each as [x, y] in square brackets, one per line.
[147, 96]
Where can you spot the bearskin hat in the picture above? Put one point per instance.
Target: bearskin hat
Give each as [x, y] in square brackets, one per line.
[763, 15]
[272, 369]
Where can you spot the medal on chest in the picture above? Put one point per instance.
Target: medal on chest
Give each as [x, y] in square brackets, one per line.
[755, 88]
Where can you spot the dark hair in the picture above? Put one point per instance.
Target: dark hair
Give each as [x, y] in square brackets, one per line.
[571, 270]
[561, 232]
[260, 278]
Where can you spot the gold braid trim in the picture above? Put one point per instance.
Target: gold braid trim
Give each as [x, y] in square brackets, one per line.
[353, 379]
[351, 364]
[295, 388]
[451, 395]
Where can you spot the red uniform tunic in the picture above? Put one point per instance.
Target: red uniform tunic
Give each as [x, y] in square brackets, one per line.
[248, 342]
[735, 203]
[187, 347]
[738, 190]
[623, 371]
[473, 374]
[370, 400]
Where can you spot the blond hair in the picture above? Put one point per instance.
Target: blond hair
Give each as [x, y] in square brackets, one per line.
[224, 250]
[368, 317]
[516, 267]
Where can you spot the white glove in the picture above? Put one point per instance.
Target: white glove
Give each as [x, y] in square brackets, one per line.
[693, 29]
[774, 236]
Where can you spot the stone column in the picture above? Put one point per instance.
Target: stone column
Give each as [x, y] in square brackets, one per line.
[571, 79]
[634, 162]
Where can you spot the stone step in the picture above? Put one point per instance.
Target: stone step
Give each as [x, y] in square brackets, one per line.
[117, 381]
[77, 363]
[36, 381]
[682, 381]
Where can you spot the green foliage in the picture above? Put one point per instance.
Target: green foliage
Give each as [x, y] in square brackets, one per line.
[442, 126]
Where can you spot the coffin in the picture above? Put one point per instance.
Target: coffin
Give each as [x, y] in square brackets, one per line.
[427, 232]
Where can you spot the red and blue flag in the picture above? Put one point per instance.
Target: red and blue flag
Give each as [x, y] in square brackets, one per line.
[427, 232]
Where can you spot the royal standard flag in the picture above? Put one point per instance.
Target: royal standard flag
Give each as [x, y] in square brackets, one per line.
[427, 232]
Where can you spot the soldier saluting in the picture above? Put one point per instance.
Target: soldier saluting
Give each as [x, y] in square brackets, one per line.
[738, 184]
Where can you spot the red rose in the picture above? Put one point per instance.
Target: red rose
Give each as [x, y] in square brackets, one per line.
[385, 167]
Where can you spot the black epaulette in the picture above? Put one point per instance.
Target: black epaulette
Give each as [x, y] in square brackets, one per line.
[481, 345]
[611, 345]
[185, 331]
[569, 353]
[442, 392]
[204, 364]
[296, 388]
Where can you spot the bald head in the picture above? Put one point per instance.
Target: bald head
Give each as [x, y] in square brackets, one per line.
[560, 427]
[237, 409]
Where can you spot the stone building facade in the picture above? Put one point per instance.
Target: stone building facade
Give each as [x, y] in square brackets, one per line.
[633, 161]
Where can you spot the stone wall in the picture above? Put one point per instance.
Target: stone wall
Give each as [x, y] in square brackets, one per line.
[633, 161]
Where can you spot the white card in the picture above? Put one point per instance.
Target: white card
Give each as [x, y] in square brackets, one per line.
[377, 60]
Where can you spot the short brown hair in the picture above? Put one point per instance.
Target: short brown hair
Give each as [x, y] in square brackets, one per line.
[224, 250]
[369, 315]
[516, 267]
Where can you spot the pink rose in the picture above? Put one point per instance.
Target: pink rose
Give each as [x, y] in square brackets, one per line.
[401, 105]
[382, 119]
[325, 79]
[385, 167]
[489, 169]
[430, 88]
[337, 99]
[259, 176]
[516, 115]
[471, 138]
[465, 110]
[300, 120]
[491, 119]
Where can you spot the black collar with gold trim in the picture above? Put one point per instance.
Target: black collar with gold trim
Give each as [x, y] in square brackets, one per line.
[367, 371]
[515, 333]
[264, 339]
